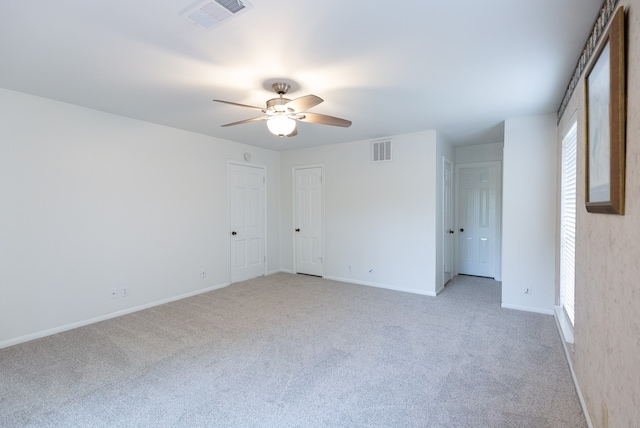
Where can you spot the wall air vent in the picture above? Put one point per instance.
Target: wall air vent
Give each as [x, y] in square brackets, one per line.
[208, 14]
[381, 151]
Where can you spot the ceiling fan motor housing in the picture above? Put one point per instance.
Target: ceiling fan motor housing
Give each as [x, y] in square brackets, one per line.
[278, 105]
[281, 88]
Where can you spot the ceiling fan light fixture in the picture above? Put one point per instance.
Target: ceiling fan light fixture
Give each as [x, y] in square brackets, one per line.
[281, 125]
[283, 113]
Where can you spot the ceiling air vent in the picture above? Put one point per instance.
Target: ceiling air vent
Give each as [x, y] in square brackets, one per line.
[381, 151]
[208, 14]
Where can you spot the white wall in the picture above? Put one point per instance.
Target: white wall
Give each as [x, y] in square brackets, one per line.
[479, 153]
[92, 201]
[379, 216]
[529, 213]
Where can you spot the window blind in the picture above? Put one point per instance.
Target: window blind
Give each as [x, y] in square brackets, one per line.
[568, 222]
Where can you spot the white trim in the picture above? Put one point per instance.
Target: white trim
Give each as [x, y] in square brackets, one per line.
[527, 309]
[71, 326]
[569, 125]
[583, 403]
[377, 285]
[452, 253]
[565, 324]
[265, 205]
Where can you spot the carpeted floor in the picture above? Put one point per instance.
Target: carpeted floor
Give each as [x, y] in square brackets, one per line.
[296, 351]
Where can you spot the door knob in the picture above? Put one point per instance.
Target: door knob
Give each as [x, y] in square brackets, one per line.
[298, 230]
[234, 233]
[461, 230]
[451, 231]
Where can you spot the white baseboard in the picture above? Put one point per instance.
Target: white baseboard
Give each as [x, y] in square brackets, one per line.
[385, 286]
[573, 373]
[528, 309]
[71, 326]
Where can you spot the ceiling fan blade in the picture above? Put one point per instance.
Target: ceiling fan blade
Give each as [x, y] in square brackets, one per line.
[323, 119]
[240, 105]
[304, 103]
[255, 119]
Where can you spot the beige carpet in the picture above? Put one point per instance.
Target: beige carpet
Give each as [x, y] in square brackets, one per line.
[297, 351]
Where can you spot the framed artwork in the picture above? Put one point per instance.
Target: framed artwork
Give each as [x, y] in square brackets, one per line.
[605, 95]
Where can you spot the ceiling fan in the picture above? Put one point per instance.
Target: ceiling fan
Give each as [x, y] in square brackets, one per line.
[282, 113]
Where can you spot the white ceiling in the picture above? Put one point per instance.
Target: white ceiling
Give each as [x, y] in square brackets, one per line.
[392, 67]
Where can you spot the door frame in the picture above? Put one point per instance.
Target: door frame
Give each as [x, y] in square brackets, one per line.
[293, 213]
[452, 221]
[498, 250]
[264, 212]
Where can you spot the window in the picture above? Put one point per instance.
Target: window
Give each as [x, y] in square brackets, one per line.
[568, 222]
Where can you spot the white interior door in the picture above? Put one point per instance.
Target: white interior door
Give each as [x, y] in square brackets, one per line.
[447, 221]
[308, 220]
[478, 218]
[247, 214]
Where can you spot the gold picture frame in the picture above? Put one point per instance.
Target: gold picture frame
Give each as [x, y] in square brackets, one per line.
[605, 109]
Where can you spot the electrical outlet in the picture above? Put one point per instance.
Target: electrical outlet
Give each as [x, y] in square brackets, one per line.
[124, 291]
[203, 273]
[114, 293]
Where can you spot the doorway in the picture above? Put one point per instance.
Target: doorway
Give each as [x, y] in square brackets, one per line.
[247, 214]
[308, 207]
[478, 218]
[447, 221]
